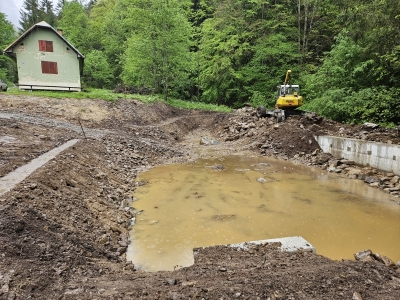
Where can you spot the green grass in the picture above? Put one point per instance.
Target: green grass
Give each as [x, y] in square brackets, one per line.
[111, 96]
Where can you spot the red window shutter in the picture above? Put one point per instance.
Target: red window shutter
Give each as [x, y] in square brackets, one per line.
[46, 46]
[45, 67]
[49, 67]
[42, 45]
[54, 68]
[49, 46]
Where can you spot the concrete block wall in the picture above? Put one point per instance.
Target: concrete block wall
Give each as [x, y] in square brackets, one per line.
[381, 156]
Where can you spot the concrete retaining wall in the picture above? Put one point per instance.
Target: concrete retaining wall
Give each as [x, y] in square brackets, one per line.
[381, 156]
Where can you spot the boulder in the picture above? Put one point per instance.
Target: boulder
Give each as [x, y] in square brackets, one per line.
[354, 171]
[357, 296]
[334, 163]
[365, 255]
[371, 179]
[395, 179]
[322, 158]
[369, 125]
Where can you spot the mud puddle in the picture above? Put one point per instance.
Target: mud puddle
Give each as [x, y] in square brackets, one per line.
[237, 199]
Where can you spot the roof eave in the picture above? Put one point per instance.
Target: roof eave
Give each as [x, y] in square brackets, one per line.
[42, 24]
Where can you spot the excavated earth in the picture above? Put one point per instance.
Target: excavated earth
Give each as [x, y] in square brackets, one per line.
[64, 229]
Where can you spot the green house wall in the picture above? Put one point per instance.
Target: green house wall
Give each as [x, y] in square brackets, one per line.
[29, 63]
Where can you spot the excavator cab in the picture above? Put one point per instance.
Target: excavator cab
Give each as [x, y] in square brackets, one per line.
[288, 95]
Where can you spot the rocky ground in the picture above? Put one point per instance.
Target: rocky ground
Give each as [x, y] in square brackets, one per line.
[64, 230]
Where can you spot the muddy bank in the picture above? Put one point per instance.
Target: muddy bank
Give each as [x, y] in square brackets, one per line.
[64, 230]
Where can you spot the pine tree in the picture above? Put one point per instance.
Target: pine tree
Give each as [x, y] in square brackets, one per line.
[59, 7]
[46, 8]
[30, 14]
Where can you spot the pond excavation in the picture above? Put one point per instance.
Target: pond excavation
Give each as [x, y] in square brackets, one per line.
[236, 199]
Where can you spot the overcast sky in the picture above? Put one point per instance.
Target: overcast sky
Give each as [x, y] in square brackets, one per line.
[11, 9]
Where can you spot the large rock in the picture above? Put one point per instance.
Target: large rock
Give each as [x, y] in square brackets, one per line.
[395, 179]
[365, 255]
[353, 171]
[385, 260]
[322, 158]
[371, 179]
[370, 125]
[207, 141]
[334, 163]
[357, 296]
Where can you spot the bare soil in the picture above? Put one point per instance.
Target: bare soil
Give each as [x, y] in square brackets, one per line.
[64, 230]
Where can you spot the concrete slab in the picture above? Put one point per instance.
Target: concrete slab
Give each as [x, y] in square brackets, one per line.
[288, 244]
[9, 181]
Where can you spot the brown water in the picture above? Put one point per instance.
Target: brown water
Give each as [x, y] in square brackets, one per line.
[187, 206]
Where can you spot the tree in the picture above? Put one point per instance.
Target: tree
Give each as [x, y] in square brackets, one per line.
[97, 72]
[317, 25]
[157, 53]
[47, 13]
[245, 49]
[117, 27]
[98, 15]
[7, 36]
[74, 23]
[30, 14]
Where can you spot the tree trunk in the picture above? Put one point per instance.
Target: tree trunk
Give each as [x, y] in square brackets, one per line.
[305, 30]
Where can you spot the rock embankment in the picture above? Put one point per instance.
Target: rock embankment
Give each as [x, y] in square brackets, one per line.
[385, 181]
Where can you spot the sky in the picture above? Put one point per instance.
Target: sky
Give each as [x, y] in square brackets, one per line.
[11, 9]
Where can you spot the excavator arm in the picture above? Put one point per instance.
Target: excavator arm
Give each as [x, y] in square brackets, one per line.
[287, 78]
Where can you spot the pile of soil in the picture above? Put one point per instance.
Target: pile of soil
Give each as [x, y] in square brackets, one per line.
[65, 229]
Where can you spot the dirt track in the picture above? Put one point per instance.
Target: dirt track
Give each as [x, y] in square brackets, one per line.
[64, 230]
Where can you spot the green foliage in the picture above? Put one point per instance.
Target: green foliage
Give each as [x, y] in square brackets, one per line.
[157, 53]
[97, 72]
[245, 49]
[347, 88]
[74, 23]
[7, 36]
[116, 28]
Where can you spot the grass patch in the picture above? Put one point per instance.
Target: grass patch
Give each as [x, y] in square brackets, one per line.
[109, 95]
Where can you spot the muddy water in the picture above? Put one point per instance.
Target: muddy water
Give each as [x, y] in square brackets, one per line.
[187, 206]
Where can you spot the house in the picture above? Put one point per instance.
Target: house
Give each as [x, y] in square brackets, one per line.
[46, 60]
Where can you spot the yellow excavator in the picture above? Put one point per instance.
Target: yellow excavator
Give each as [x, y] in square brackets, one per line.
[288, 100]
[288, 95]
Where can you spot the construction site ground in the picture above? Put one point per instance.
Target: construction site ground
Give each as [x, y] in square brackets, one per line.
[64, 230]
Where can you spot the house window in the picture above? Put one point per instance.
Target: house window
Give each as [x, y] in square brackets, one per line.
[45, 46]
[49, 67]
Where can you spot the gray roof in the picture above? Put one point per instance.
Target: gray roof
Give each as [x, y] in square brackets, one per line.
[42, 24]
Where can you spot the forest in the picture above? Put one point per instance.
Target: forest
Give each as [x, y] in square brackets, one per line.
[344, 54]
